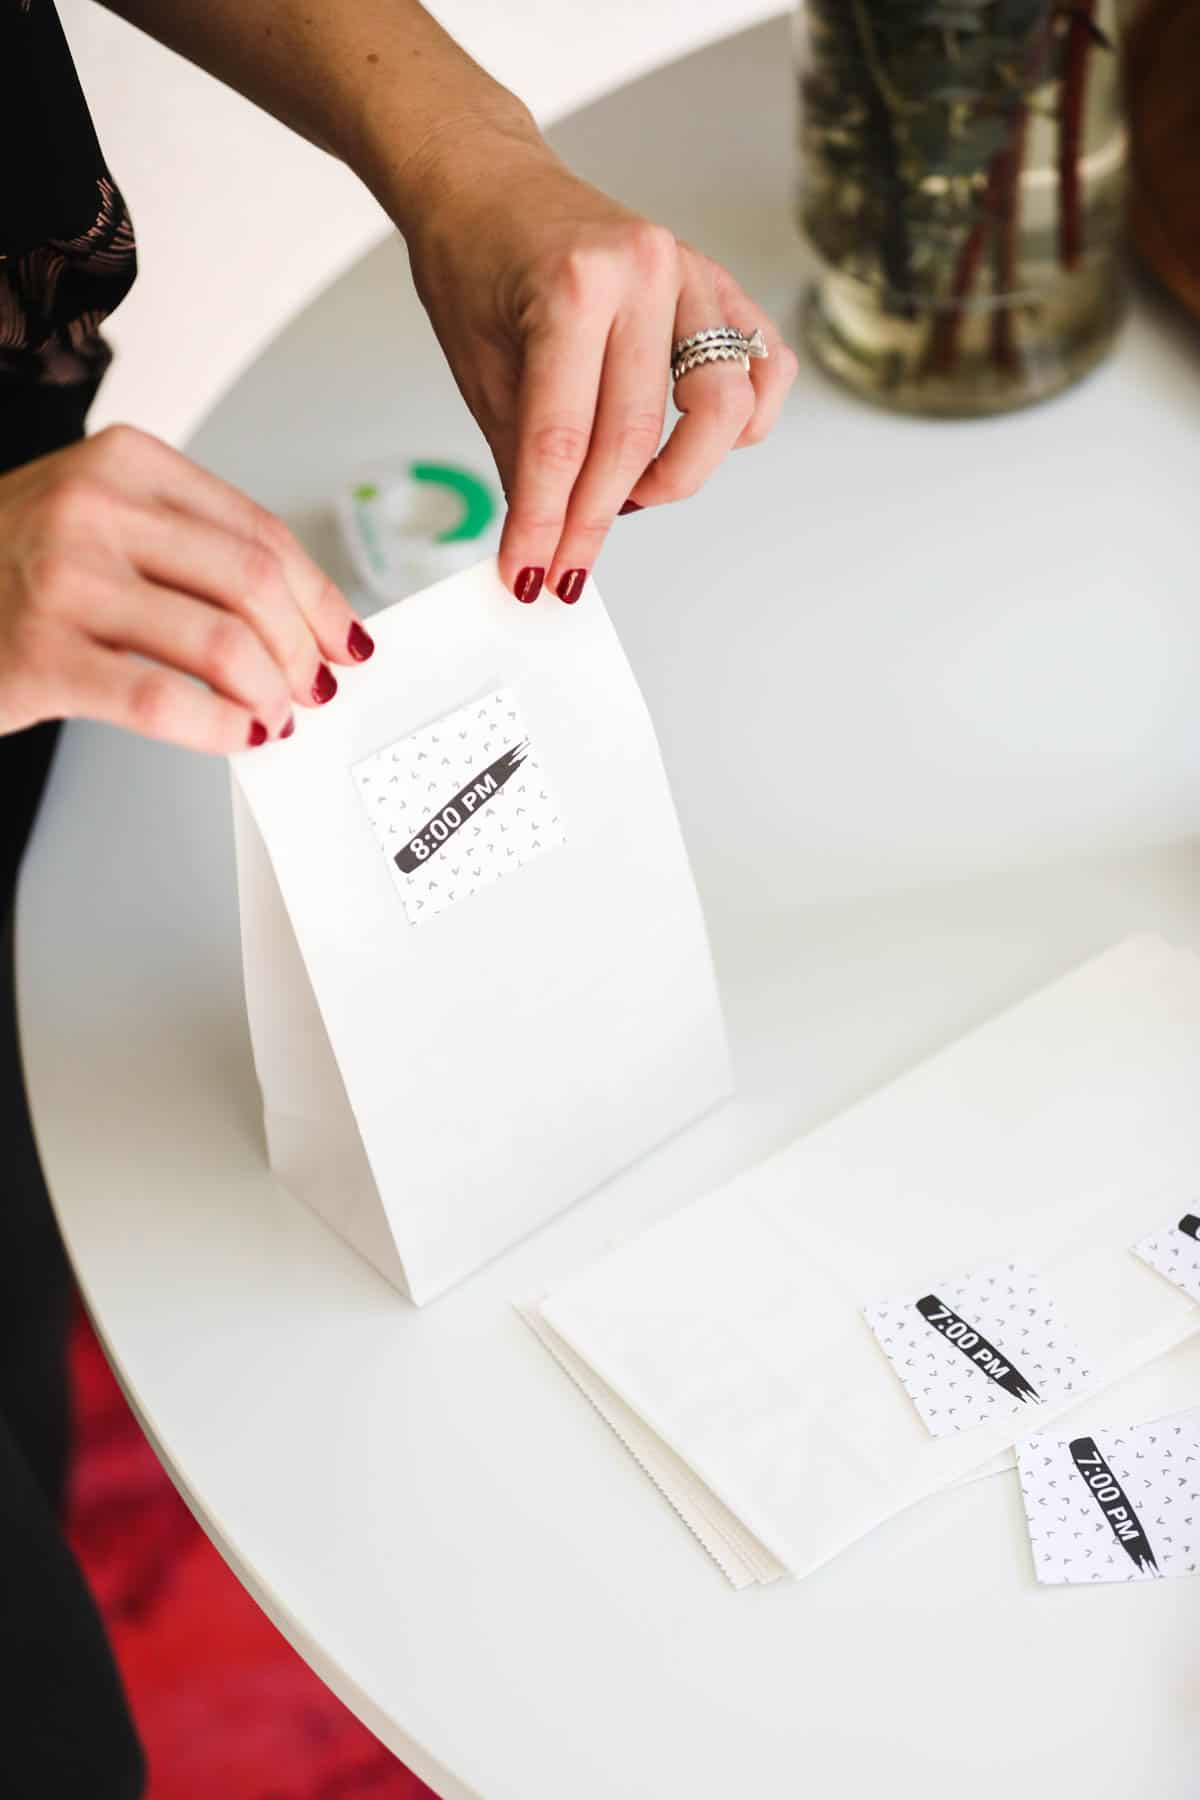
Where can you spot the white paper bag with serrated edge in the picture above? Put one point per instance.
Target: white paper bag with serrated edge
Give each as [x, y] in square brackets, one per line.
[477, 974]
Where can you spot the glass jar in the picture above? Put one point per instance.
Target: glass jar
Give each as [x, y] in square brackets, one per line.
[962, 183]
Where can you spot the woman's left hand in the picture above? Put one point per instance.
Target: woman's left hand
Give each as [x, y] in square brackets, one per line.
[557, 309]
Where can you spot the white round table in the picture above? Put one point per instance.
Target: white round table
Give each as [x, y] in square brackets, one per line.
[927, 695]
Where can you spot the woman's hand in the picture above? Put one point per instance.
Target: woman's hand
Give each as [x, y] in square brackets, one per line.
[126, 570]
[557, 309]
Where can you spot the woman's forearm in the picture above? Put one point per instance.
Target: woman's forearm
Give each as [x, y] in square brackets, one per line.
[377, 83]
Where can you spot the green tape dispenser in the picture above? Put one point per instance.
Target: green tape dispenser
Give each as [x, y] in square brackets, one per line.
[412, 525]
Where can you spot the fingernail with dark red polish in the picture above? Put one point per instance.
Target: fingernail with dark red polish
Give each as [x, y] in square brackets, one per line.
[528, 585]
[571, 585]
[288, 728]
[630, 506]
[324, 687]
[359, 643]
[258, 734]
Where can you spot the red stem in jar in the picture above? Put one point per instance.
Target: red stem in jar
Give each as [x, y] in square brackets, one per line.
[999, 210]
[1007, 169]
[942, 357]
[1070, 131]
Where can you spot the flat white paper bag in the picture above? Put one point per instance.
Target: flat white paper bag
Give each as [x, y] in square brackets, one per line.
[477, 974]
[736, 1331]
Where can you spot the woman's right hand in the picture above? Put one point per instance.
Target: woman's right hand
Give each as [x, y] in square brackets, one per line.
[125, 570]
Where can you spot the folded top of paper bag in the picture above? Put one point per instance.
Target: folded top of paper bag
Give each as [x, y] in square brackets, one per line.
[879, 1309]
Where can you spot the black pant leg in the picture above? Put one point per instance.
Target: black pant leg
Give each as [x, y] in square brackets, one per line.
[35, 420]
[35, 1285]
[66, 1732]
[65, 1729]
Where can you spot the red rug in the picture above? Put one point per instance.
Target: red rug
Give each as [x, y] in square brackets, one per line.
[223, 1704]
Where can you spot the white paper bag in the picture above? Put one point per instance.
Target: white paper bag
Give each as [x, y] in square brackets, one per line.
[477, 975]
[733, 1346]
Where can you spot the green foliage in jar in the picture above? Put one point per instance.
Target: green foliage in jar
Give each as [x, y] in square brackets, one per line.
[914, 120]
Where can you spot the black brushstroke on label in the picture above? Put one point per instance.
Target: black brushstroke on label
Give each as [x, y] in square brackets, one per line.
[1190, 1226]
[460, 809]
[1113, 1502]
[985, 1356]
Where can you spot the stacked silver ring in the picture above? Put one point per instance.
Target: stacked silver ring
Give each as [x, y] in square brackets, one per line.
[722, 343]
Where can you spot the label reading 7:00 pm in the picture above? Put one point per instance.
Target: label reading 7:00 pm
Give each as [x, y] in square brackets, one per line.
[1113, 1502]
[975, 1347]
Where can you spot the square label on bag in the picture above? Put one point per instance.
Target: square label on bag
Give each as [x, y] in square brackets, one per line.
[1175, 1252]
[1118, 1505]
[985, 1344]
[459, 804]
